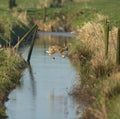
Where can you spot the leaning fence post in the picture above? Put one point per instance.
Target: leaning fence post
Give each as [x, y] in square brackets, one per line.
[118, 48]
[25, 36]
[31, 46]
[106, 31]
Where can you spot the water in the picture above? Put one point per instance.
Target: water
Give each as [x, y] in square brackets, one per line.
[63, 34]
[43, 93]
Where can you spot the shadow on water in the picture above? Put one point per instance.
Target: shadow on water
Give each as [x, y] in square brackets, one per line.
[32, 79]
[45, 84]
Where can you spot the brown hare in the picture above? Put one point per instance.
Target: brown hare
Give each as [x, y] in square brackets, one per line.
[57, 48]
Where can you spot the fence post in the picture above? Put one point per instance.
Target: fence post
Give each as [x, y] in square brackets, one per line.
[32, 44]
[106, 32]
[118, 48]
[25, 36]
[44, 14]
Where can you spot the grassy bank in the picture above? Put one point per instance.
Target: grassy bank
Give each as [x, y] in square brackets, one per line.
[13, 24]
[99, 86]
[11, 66]
[77, 14]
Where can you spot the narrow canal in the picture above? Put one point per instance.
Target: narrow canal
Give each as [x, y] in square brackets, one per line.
[43, 92]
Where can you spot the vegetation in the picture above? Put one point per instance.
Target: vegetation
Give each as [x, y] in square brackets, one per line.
[100, 84]
[11, 66]
[70, 14]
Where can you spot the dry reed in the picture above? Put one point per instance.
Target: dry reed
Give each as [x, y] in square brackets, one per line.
[92, 35]
[21, 16]
[94, 86]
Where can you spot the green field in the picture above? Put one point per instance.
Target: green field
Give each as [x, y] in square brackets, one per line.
[77, 13]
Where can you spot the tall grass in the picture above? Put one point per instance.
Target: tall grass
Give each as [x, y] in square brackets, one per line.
[11, 66]
[99, 75]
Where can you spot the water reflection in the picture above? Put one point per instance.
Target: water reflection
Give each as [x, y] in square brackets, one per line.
[32, 80]
[45, 84]
[58, 34]
[61, 99]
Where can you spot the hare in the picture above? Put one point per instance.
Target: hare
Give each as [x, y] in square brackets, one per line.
[57, 48]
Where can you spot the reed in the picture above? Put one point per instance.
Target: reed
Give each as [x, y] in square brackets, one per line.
[99, 82]
[11, 66]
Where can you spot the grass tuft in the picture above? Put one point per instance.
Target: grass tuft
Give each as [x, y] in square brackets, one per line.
[10, 72]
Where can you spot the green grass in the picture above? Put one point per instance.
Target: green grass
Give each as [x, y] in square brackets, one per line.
[108, 8]
[77, 13]
[11, 66]
[114, 108]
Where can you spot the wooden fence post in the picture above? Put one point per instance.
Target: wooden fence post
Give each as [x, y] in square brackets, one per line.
[44, 14]
[25, 36]
[106, 31]
[32, 44]
[118, 48]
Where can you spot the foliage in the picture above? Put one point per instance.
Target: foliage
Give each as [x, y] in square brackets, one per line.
[11, 66]
[100, 81]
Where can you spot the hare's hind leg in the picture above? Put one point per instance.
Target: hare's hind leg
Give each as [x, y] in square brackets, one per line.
[51, 55]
